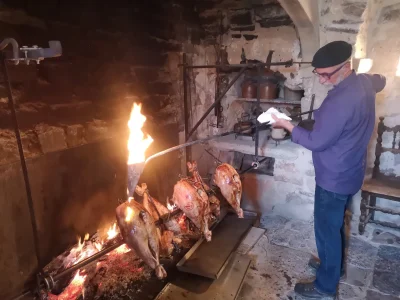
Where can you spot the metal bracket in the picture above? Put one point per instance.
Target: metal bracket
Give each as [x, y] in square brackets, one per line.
[255, 165]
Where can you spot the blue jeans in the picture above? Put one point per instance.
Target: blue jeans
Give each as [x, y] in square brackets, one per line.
[329, 212]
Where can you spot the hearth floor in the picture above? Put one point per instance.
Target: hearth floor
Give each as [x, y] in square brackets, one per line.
[280, 257]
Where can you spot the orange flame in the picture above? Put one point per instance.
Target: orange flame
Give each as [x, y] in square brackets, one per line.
[122, 249]
[112, 232]
[171, 207]
[137, 143]
[78, 279]
[129, 214]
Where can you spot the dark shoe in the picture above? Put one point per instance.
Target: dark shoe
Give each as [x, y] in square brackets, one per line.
[314, 264]
[308, 290]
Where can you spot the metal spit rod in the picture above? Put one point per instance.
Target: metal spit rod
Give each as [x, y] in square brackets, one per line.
[288, 63]
[49, 280]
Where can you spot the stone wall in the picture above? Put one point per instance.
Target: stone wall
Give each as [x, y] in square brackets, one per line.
[233, 25]
[257, 29]
[370, 26]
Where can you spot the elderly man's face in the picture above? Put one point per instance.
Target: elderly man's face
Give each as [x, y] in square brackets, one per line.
[332, 75]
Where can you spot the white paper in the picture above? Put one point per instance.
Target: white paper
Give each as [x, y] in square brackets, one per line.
[267, 116]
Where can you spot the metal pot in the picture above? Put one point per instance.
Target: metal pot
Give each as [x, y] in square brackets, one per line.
[268, 90]
[292, 95]
[249, 89]
[278, 133]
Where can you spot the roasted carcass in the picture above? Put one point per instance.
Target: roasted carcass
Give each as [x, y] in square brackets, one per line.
[140, 234]
[156, 209]
[228, 180]
[193, 201]
[215, 206]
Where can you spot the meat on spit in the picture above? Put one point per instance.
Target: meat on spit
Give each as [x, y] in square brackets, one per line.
[215, 206]
[140, 234]
[156, 209]
[193, 201]
[228, 180]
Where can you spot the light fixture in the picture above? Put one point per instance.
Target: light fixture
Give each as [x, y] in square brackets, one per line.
[365, 65]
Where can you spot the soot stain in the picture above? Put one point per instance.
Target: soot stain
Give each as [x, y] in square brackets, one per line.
[267, 276]
[288, 279]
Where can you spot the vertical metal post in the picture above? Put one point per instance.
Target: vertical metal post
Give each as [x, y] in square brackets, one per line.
[22, 158]
[186, 106]
[259, 70]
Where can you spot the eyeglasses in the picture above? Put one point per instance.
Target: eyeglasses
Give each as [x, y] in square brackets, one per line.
[328, 76]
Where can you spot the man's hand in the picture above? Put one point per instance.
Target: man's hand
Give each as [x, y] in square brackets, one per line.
[281, 123]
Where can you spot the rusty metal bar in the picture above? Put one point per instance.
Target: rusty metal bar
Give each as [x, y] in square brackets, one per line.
[11, 106]
[186, 106]
[118, 242]
[221, 96]
[259, 70]
[287, 63]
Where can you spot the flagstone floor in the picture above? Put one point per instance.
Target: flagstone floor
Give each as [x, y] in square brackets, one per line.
[280, 257]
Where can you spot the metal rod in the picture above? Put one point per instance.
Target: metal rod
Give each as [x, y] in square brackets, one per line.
[108, 249]
[216, 158]
[14, 45]
[11, 105]
[283, 63]
[221, 96]
[186, 106]
[88, 260]
[258, 109]
[187, 145]
[22, 295]
[311, 107]
[303, 113]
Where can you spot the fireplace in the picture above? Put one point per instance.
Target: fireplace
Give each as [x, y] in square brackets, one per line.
[201, 72]
[73, 109]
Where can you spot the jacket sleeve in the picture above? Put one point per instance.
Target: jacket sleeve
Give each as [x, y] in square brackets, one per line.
[324, 134]
[378, 82]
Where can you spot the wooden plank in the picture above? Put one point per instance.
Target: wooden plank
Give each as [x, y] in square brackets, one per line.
[250, 240]
[226, 287]
[209, 259]
[202, 239]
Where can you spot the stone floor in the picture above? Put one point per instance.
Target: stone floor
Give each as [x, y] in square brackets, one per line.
[280, 257]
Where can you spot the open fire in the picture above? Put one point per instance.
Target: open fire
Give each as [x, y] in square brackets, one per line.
[139, 226]
[82, 280]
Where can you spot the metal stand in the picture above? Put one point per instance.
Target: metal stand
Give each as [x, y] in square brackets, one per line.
[11, 105]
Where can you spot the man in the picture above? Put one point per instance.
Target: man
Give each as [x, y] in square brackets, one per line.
[343, 127]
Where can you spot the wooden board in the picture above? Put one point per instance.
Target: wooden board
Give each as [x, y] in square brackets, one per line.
[209, 258]
[226, 287]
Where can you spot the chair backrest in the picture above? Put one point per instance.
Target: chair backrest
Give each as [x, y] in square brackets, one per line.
[395, 146]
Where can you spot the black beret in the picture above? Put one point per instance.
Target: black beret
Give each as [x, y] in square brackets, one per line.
[332, 54]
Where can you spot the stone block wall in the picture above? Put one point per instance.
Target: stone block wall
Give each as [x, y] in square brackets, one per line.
[257, 28]
[371, 27]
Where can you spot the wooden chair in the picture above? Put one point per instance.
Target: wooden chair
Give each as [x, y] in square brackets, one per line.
[380, 185]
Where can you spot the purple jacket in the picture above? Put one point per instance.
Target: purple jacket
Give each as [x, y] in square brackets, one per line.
[343, 127]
